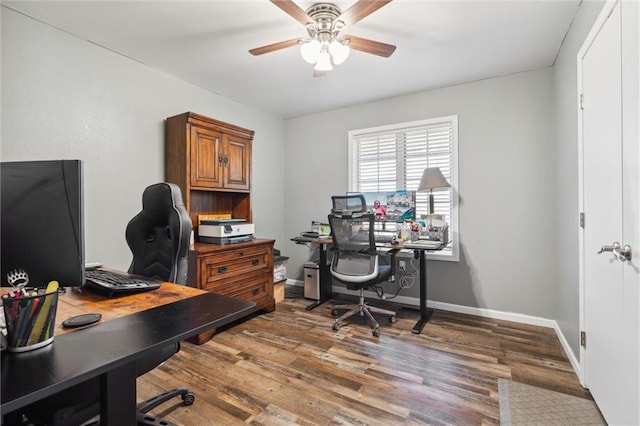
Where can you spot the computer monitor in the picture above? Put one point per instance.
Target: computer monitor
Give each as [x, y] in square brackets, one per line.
[42, 222]
[391, 206]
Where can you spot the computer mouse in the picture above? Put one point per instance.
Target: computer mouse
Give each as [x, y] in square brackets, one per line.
[81, 320]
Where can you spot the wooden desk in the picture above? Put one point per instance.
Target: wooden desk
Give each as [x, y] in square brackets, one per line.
[326, 291]
[132, 327]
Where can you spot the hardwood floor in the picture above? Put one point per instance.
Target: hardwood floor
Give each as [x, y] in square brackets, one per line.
[290, 367]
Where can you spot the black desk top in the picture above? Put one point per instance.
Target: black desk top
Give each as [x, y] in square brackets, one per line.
[83, 354]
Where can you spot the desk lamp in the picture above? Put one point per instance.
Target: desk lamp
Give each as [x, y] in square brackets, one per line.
[432, 178]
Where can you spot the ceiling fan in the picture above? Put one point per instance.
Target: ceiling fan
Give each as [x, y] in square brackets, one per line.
[325, 44]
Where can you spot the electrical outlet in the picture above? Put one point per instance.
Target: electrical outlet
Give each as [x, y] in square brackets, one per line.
[402, 265]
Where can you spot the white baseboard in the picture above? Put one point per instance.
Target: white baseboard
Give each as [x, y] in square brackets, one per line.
[481, 312]
[567, 350]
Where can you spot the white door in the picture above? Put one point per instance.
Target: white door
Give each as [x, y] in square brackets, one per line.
[609, 202]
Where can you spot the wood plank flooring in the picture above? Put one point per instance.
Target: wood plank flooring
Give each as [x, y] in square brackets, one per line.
[290, 367]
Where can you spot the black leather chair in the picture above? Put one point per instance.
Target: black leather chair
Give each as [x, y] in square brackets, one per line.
[355, 261]
[159, 239]
[159, 235]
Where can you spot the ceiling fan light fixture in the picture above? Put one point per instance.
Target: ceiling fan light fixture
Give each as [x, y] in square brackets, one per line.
[310, 51]
[324, 22]
[324, 61]
[339, 51]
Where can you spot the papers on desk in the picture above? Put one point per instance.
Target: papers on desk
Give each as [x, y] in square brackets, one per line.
[423, 244]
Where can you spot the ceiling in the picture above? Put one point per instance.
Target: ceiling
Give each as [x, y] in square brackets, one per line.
[439, 43]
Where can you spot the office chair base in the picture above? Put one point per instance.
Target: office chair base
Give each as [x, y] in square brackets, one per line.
[363, 309]
[188, 398]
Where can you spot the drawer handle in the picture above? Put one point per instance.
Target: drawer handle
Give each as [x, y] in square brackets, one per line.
[255, 291]
[255, 261]
[222, 269]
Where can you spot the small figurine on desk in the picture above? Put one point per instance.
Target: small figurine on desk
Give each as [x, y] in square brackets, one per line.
[415, 231]
[434, 233]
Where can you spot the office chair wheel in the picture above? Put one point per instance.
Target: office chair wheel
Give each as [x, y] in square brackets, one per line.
[376, 332]
[393, 319]
[335, 312]
[188, 398]
[336, 326]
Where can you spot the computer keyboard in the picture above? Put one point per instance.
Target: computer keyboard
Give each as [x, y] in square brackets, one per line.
[384, 238]
[112, 283]
[378, 238]
[423, 244]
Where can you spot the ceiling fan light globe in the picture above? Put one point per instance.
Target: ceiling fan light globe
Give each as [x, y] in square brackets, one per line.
[324, 62]
[310, 51]
[339, 52]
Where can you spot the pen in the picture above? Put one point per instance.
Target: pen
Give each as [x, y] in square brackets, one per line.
[20, 324]
[35, 311]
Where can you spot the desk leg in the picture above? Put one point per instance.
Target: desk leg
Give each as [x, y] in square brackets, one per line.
[326, 292]
[425, 313]
[118, 396]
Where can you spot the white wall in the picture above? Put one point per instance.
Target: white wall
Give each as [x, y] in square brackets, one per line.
[566, 170]
[506, 186]
[63, 97]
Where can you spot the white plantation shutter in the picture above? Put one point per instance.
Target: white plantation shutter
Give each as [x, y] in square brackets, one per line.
[393, 158]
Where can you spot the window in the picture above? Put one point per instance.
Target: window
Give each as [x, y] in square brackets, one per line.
[393, 157]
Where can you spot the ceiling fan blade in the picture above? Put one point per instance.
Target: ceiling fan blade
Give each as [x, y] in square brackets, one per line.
[370, 46]
[292, 9]
[361, 10]
[275, 46]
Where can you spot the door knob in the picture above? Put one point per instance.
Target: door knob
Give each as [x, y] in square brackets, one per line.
[621, 254]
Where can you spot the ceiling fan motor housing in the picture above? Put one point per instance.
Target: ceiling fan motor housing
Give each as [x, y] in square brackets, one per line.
[325, 20]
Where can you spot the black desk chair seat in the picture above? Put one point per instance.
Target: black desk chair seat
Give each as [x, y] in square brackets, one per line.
[159, 238]
[355, 260]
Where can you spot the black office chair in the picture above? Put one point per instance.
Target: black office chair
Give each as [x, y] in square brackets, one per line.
[355, 258]
[159, 239]
[159, 235]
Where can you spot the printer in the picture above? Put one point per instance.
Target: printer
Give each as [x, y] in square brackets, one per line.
[225, 231]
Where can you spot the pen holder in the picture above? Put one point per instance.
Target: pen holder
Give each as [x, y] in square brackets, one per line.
[30, 321]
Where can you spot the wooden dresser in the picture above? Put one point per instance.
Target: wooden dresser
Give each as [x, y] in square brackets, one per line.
[210, 161]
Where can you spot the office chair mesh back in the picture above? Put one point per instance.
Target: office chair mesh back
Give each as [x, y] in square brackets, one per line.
[160, 231]
[355, 260]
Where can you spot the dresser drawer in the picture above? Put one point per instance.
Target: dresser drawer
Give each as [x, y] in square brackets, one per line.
[254, 288]
[229, 265]
[241, 254]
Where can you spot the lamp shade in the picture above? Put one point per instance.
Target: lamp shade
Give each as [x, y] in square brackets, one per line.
[339, 52]
[310, 51]
[432, 178]
[324, 61]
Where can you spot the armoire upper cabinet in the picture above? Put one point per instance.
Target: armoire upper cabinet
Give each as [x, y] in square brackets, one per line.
[221, 160]
[211, 162]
